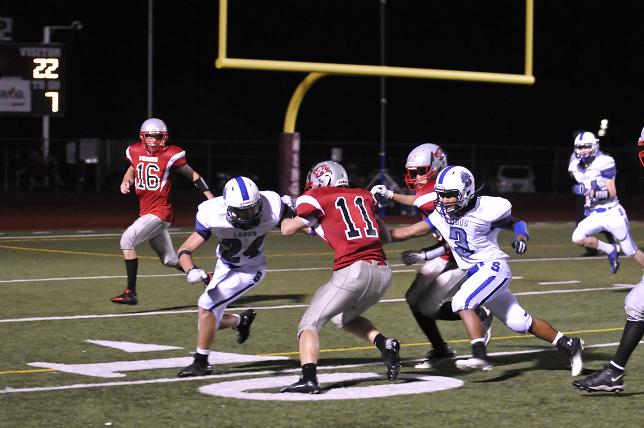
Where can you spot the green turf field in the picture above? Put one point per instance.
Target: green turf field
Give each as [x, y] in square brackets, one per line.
[54, 298]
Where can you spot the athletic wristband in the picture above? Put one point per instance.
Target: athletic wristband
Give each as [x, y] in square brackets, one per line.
[182, 252]
[601, 194]
[201, 185]
[521, 228]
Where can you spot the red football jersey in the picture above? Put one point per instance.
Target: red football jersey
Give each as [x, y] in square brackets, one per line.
[152, 178]
[426, 198]
[346, 221]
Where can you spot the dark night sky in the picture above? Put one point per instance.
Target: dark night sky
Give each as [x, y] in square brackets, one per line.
[588, 64]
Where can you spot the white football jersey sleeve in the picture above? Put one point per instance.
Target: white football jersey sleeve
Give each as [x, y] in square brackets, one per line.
[238, 247]
[473, 237]
[593, 177]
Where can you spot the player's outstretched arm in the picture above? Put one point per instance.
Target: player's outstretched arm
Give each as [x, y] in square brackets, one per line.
[420, 228]
[293, 225]
[382, 195]
[187, 171]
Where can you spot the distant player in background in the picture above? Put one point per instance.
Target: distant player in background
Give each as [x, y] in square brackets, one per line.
[611, 378]
[595, 175]
[581, 212]
[438, 279]
[470, 225]
[240, 220]
[345, 218]
[151, 161]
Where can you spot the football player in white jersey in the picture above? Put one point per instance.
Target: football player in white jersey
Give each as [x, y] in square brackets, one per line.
[595, 174]
[611, 378]
[240, 220]
[438, 279]
[470, 225]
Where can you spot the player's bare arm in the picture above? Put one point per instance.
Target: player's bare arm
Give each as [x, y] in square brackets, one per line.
[187, 171]
[186, 249]
[293, 225]
[420, 228]
[128, 180]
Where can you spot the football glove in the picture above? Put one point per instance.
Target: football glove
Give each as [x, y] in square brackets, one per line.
[288, 201]
[381, 192]
[579, 189]
[196, 276]
[520, 246]
[411, 257]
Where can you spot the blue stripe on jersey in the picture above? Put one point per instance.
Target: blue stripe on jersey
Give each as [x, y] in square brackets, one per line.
[234, 296]
[442, 174]
[609, 173]
[477, 291]
[242, 188]
[202, 230]
[489, 296]
[429, 222]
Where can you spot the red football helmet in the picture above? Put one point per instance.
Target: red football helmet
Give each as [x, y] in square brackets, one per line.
[154, 135]
[640, 146]
[423, 165]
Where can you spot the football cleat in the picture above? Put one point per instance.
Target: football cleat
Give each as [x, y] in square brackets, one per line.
[127, 297]
[486, 321]
[436, 356]
[197, 368]
[303, 387]
[613, 259]
[243, 329]
[573, 347]
[474, 363]
[607, 380]
[391, 358]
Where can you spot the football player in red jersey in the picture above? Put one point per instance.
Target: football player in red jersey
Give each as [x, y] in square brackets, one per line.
[439, 278]
[151, 161]
[345, 219]
[611, 378]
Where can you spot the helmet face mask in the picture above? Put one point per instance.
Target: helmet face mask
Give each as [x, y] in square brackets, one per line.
[326, 174]
[423, 165]
[455, 190]
[586, 146]
[154, 134]
[243, 203]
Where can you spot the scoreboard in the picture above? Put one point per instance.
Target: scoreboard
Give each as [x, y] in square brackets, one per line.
[32, 79]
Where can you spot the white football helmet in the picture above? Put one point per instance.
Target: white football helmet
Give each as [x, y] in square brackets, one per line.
[423, 164]
[326, 174]
[454, 181]
[243, 203]
[154, 134]
[586, 146]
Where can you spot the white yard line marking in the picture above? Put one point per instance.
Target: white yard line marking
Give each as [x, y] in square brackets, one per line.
[9, 390]
[265, 308]
[558, 282]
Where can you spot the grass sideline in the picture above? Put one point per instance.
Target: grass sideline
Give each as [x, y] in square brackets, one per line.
[63, 275]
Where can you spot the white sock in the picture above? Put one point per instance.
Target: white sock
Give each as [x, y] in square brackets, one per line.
[203, 351]
[482, 340]
[559, 336]
[238, 319]
[604, 247]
